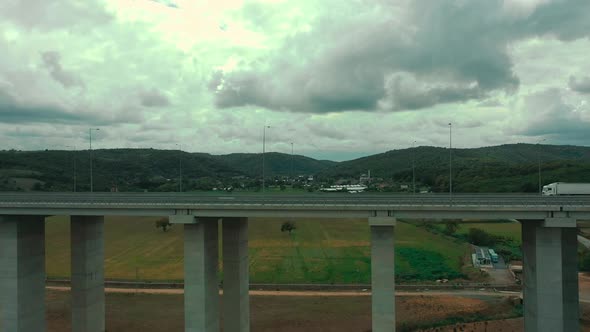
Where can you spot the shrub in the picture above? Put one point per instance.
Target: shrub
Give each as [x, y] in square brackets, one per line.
[479, 237]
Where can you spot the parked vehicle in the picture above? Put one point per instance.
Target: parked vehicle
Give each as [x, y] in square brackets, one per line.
[562, 188]
[493, 256]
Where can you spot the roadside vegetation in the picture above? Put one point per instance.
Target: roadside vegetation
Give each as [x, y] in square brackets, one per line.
[503, 236]
[314, 251]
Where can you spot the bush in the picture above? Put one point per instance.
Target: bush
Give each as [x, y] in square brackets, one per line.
[163, 223]
[584, 261]
[479, 237]
[288, 226]
[424, 265]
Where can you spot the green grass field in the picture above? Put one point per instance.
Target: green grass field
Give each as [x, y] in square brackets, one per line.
[318, 251]
[506, 229]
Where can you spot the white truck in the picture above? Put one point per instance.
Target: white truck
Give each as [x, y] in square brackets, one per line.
[562, 188]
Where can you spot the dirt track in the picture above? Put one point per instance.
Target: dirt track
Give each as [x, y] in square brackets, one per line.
[304, 293]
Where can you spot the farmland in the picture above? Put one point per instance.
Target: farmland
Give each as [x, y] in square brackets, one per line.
[318, 251]
[164, 312]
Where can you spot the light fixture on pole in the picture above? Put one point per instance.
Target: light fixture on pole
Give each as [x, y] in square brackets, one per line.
[414, 167]
[292, 178]
[179, 167]
[539, 163]
[91, 158]
[73, 165]
[450, 161]
[263, 152]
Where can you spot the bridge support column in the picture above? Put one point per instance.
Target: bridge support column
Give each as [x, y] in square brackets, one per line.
[201, 289]
[22, 273]
[87, 253]
[382, 274]
[550, 266]
[236, 300]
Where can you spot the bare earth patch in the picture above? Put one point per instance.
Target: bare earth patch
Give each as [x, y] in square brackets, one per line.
[164, 312]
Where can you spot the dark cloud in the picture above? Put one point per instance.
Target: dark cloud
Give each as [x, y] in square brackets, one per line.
[549, 114]
[564, 19]
[387, 58]
[581, 85]
[166, 3]
[153, 98]
[55, 14]
[52, 62]
[13, 112]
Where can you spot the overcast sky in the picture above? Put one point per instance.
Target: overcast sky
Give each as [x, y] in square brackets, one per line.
[339, 79]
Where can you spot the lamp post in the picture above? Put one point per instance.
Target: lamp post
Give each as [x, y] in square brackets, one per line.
[73, 165]
[179, 167]
[414, 167]
[263, 152]
[91, 158]
[539, 163]
[450, 161]
[292, 178]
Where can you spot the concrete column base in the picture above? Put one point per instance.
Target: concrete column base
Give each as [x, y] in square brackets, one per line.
[236, 300]
[201, 289]
[551, 300]
[382, 274]
[88, 298]
[22, 274]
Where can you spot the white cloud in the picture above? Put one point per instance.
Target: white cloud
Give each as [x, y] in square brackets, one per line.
[151, 73]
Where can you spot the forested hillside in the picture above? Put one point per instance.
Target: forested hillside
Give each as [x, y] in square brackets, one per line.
[504, 168]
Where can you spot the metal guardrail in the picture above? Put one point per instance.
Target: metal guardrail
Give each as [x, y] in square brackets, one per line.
[304, 200]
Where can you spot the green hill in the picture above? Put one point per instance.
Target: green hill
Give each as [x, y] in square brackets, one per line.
[504, 168]
[275, 164]
[142, 169]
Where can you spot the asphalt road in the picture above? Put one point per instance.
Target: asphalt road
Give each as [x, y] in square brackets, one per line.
[529, 200]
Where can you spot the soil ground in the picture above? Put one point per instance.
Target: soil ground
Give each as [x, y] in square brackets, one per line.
[164, 312]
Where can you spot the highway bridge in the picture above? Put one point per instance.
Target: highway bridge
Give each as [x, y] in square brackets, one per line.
[549, 229]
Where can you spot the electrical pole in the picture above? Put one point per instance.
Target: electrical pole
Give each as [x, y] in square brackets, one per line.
[414, 167]
[91, 158]
[292, 178]
[539, 164]
[73, 166]
[263, 153]
[179, 168]
[451, 161]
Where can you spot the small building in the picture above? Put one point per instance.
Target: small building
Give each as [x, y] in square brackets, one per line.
[482, 256]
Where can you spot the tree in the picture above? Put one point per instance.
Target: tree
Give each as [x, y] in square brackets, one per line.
[451, 227]
[288, 226]
[480, 237]
[163, 223]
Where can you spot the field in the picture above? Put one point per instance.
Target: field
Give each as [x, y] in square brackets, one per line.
[504, 229]
[157, 312]
[318, 251]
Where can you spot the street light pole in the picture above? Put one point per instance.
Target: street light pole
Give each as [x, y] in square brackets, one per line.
[414, 167]
[73, 165]
[263, 152]
[450, 161]
[539, 163]
[292, 179]
[91, 158]
[179, 168]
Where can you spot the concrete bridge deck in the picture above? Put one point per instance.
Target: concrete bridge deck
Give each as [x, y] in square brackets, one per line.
[548, 236]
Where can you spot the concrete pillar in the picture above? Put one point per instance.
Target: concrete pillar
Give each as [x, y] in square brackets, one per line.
[382, 274]
[236, 300]
[550, 272]
[87, 252]
[22, 274]
[201, 289]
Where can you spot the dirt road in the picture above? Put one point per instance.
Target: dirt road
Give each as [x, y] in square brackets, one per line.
[305, 293]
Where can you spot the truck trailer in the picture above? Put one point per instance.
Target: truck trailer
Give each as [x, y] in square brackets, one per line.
[562, 188]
